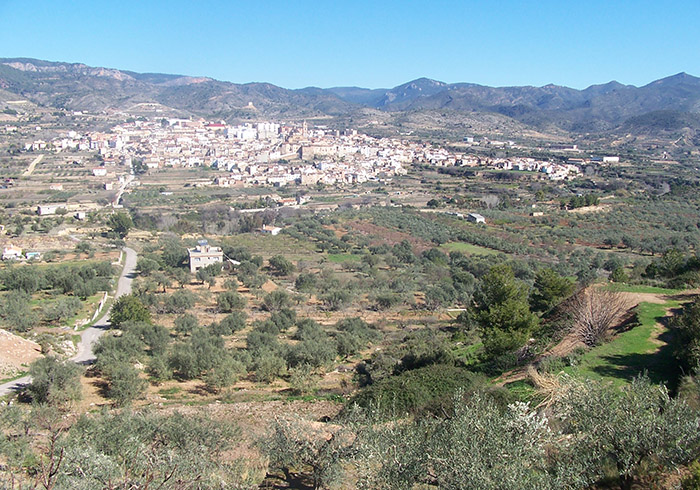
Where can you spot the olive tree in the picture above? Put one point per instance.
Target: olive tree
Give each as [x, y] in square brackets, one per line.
[54, 382]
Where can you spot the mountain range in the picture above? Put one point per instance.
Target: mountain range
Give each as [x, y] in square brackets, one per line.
[670, 104]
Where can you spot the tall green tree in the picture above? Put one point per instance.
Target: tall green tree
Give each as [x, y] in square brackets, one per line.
[120, 223]
[128, 308]
[502, 313]
[550, 289]
[281, 266]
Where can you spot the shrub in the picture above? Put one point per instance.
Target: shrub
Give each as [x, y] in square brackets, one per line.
[125, 385]
[228, 301]
[305, 283]
[230, 324]
[223, 374]
[281, 266]
[418, 390]
[202, 352]
[54, 382]
[277, 300]
[269, 366]
[179, 302]
[128, 308]
[315, 352]
[686, 336]
[186, 323]
[16, 312]
[284, 318]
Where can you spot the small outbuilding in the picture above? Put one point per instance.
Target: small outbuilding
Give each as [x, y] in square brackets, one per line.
[270, 230]
[11, 253]
[476, 218]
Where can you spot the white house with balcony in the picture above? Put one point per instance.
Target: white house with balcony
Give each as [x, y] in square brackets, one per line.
[203, 255]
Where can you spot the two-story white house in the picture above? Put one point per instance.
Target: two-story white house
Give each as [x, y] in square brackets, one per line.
[203, 255]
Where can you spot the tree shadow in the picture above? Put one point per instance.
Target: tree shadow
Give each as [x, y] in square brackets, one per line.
[660, 365]
[287, 481]
[199, 390]
[628, 321]
[102, 387]
[20, 390]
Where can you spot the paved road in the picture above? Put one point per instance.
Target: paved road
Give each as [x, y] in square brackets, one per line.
[89, 336]
[32, 166]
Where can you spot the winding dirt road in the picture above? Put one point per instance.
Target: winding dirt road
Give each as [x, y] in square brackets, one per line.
[89, 336]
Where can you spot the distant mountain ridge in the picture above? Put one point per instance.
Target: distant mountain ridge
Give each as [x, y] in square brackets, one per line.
[668, 104]
[607, 105]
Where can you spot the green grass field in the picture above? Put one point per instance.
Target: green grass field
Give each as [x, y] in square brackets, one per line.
[340, 258]
[642, 349]
[627, 288]
[467, 248]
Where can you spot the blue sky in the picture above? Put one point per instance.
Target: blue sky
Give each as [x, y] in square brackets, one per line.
[365, 43]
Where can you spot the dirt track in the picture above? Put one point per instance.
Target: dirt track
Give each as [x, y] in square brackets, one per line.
[32, 166]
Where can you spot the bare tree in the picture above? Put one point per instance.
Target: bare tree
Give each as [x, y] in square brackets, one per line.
[490, 200]
[594, 310]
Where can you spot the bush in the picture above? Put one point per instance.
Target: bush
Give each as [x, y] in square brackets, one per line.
[353, 335]
[120, 223]
[277, 300]
[54, 382]
[281, 266]
[418, 390]
[284, 318]
[348, 344]
[314, 352]
[619, 275]
[268, 367]
[686, 336]
[16, 312]
[337, 299]
[224, 374]
[202, 352]
[384, 301]
[125, 385]
[128, 309]
[179, 302]
[230, 324]
[305, 283]
[159, 369]
[302, 380]
[186, 323]
[228, 301]
[147, 266]
[155, 337]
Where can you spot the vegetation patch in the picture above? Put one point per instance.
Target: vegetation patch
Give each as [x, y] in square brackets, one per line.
[340, 258]
[644, 348]
[467, 248]
[422, 389]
